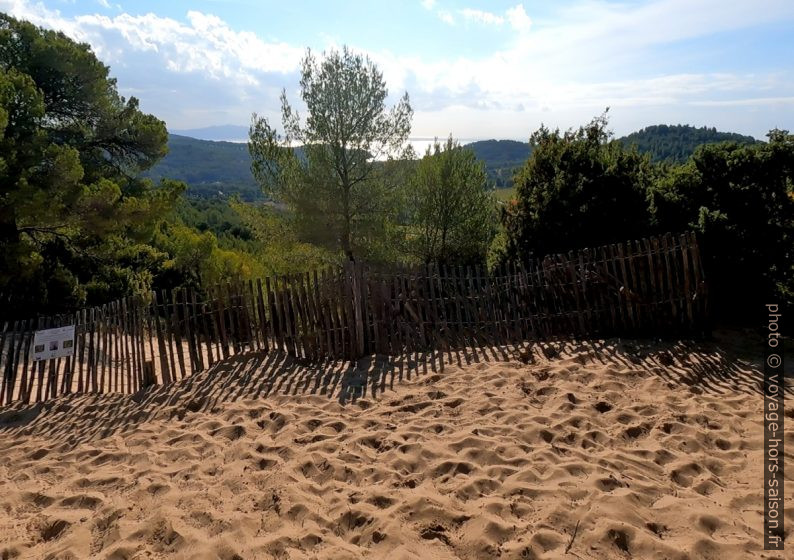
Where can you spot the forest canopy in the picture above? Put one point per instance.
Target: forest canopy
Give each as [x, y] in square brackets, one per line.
[677, 143]
[75, 218]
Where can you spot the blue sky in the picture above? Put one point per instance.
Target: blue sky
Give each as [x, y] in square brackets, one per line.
[474, 69]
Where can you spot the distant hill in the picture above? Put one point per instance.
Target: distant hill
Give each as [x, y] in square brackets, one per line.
[213, 167]
[209, 168]
[501, 158]
[676, 143]
[221, 133]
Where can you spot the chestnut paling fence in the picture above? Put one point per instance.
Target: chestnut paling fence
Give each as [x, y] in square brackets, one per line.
[650, 286]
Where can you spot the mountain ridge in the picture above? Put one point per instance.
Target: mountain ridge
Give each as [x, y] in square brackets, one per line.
[217, 133]
[222, 167]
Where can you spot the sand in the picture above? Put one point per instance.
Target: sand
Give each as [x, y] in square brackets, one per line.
[597, 450]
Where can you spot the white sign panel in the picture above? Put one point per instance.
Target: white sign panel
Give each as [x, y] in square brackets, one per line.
[53, 343]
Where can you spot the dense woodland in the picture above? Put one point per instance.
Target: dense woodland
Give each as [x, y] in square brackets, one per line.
[210, 169]
[92, 208]
[677, 143]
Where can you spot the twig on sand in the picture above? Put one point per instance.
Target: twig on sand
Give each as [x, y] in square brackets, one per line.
[570, 543]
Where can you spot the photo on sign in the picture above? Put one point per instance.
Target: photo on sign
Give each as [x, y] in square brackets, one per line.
[49, 344]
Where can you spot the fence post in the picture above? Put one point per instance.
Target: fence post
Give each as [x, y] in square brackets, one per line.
[356, 272]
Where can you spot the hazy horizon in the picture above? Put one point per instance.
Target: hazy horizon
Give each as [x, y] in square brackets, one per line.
[419, 143]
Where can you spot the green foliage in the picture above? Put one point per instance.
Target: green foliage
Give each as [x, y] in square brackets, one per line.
[501, 158]
[677, 143]
[505, 195]
[497, 250]
[577, 189]
[739, 198]
[279, 249]
[215, 215]
[452, 216]
[207, 242]
[209, 168]
[196, 260]
[339, 195]
[580, 189]
[74, 221]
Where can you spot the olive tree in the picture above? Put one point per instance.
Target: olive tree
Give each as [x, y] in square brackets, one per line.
[328, 168]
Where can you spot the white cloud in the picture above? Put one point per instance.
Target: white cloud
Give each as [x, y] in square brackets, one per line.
[446, 17]
[191, 72]
[199, 71]
[593, 56]
[518, 18]
[104, 3]
[204, 44]
[480, 16]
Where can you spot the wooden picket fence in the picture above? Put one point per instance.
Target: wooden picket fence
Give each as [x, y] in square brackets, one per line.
[651, 286]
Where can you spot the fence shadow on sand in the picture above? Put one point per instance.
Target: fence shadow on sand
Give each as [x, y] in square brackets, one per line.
[713, 367]
[80, 417]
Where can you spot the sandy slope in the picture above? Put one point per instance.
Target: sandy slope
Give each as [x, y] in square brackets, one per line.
[598, 450]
